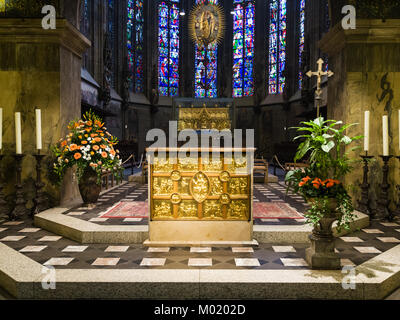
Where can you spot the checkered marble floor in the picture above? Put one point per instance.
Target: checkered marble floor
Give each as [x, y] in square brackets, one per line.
[274, 192]
[49, 249]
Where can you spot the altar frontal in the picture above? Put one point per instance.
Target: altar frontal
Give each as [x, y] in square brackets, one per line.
[200, 198]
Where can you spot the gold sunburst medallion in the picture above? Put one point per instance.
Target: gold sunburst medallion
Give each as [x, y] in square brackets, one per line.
[207, 24]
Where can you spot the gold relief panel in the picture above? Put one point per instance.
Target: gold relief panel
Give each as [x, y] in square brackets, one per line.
[200, 187]
[183, 187]
[188, 164]
[188, 209]
[238, 209]
[162, 165]
[216, 186]
[212, 209]
[205, 118]
[211, 165]
[238, 166]
[162, 186]
[162, 209]
[238, 186]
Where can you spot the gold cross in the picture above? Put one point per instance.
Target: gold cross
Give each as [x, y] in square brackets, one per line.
[319, 75]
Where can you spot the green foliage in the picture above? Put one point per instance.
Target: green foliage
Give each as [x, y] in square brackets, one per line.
[325, 146]
[320, 207]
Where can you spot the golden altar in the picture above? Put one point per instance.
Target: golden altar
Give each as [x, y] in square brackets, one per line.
[200, 200]
[205, 118]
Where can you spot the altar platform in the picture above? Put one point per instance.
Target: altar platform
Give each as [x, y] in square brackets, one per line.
[121, 216]
[97, 257]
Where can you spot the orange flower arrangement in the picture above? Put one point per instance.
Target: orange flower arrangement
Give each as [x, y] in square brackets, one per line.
[94, 152]
[317, 183]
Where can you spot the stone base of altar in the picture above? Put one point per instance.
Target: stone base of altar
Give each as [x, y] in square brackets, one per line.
[219, 244]
[200, 232]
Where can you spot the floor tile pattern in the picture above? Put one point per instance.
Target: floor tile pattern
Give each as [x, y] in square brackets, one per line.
[273, 192]
[49, 249]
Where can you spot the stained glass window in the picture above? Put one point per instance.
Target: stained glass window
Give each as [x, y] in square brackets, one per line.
[168, 47]
[85, 17]
[277, 46]
[301, 36]
[111, 29]
[134, 44]
[243, 48]
[84, 28]
[206, 65]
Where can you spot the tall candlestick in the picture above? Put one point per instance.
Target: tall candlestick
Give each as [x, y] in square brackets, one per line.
[1, 128]
[399, 129]
[38, 129]
[18, 138]
[366, 131]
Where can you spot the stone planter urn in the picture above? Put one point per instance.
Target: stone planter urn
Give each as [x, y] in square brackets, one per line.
[321, 255]
[89, 187]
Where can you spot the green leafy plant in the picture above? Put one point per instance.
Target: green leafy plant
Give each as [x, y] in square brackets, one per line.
[324, 145]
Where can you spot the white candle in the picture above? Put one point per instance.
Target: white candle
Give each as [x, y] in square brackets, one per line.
[18, 139]
[366, 131]
[385, 126]
[1, 128]
[38, 129]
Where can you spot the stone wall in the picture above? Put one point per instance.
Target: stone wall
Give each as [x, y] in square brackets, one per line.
[38, 69]
[366, 62]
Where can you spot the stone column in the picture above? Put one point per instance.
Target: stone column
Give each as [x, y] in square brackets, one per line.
[39, 69]
[366, 63]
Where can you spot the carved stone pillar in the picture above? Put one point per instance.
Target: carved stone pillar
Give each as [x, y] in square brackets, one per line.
[39, 69]
[366, 65]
